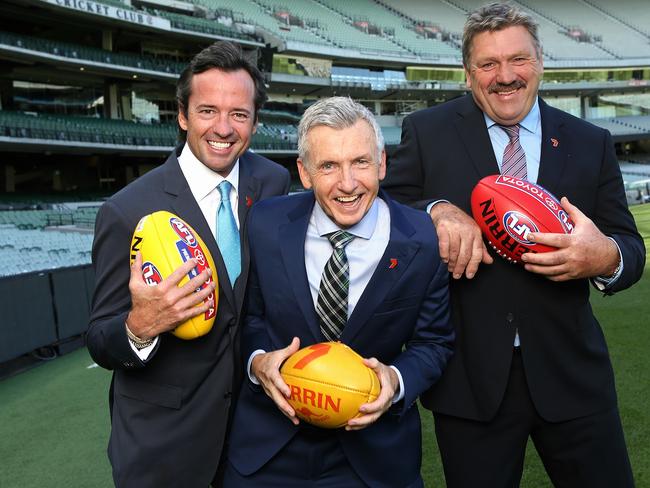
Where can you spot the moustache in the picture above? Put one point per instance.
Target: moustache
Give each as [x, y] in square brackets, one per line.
[502, 87]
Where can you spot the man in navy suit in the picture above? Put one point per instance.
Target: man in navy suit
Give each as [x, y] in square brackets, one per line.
[170, 399]
[396, 314]
[531, 358]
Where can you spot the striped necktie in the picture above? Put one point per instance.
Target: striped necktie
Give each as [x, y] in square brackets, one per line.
[514, 158]
[228, 234]
[332, 303]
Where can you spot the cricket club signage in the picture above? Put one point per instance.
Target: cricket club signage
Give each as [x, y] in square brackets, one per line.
[109, 11]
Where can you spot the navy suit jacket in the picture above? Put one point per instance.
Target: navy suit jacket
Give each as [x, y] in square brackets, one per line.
[169, 415]
[445, 151]
[401, 319]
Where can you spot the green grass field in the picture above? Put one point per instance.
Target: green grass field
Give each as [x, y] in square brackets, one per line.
[54, 418]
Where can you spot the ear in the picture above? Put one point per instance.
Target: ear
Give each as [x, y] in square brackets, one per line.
[382, 165]
[305, 179]
[468, 78]
[255, 126]
[182, 120]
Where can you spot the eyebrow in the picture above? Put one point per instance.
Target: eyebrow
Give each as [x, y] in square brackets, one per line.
[214, 107]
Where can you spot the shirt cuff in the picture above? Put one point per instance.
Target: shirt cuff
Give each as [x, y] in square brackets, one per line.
[251, 376]
[601, 282]
[400, 394]
[436, 202]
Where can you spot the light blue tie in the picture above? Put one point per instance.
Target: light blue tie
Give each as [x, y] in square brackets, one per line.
[228, 234]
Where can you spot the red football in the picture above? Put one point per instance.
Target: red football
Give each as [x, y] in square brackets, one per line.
[507, 209]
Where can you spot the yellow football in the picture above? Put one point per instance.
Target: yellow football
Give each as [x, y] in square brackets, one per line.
[166, 242]
[328, 383]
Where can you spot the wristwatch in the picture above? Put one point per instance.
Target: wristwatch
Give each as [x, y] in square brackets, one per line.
[137, 342]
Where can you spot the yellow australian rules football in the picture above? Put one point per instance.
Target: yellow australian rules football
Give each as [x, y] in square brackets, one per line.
[328, 383]
[166, 242]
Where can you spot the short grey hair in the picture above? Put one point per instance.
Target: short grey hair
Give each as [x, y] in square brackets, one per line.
[336, 113]
[496, 17]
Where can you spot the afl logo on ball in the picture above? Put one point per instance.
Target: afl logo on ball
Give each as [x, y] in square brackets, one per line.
[183, 231]
[518, 226]
[150, 274]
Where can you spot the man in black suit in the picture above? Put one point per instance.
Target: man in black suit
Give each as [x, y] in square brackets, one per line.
[170, 399]
[531, 359]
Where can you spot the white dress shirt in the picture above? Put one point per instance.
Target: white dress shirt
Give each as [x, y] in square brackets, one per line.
[364, 252]
[371, 233]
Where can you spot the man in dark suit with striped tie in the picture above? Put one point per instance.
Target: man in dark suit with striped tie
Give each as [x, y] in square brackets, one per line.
[342, 262]
[531, 359]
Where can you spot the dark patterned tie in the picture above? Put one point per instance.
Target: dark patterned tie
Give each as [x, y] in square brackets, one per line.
[332, 303]
[514, 158]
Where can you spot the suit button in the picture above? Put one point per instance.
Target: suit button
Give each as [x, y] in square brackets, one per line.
[232, 322]
[128, 364]
[227, 395]
[510, 317]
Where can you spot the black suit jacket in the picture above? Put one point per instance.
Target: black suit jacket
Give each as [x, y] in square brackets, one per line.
[444, 151]
[169, 415]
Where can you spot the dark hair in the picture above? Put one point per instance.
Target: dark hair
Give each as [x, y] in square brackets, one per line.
[225, 56]
[495, 17]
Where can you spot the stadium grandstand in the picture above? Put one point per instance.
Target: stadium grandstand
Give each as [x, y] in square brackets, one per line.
[87, 103]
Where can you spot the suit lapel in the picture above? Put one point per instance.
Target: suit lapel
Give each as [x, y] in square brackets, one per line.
[293, 235]
[392, 265]
[248, 193]
[185, 206]
[554, 151]
[470, 124]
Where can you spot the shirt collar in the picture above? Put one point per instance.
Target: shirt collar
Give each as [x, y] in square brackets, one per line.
[201, 179]
[364, 228]
[530, 122]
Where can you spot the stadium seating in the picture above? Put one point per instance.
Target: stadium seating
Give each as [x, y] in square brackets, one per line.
[85, 129]
[341, 32]
[28, 250]
[40, 219]
[401, 30]
[197, 24]
[438, 12]
[251, 13]
[615, 38]
[557, 46]
[88, 130]
[635, 14]
[80, 52]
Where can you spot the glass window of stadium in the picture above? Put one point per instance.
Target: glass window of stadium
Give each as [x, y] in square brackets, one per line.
[57, 99]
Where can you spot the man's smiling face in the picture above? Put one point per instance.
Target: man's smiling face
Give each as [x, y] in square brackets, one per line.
[220, 117]
[504, 73]
[344, 169]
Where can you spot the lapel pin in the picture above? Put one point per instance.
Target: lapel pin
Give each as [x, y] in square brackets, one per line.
[555, 142]
[249, 201]
[393, 263]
